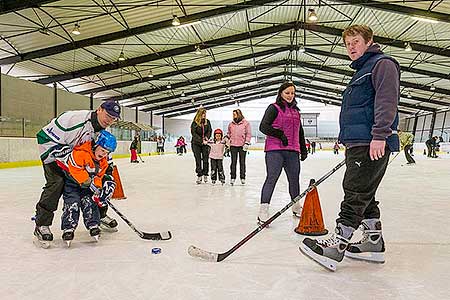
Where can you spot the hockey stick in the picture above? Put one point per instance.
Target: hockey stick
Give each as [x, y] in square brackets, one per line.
[395, 156]
[141, 158]
[165, 235]
[217, 257]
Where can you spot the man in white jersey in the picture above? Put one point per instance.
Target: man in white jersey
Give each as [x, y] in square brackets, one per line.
[56, 140]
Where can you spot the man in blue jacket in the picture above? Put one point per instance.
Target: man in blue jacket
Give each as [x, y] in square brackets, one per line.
[368, 129]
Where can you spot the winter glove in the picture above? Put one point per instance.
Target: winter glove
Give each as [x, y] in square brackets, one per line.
[245, 147]
[94, 189]
[303, 156]
[284, 140]
[105, 194]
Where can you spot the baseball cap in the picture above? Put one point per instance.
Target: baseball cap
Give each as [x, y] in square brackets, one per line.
[112, 108]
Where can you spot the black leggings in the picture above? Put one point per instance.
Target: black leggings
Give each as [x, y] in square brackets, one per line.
[235, 151]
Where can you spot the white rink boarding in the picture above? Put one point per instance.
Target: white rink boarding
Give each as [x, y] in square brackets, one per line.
[162, 195]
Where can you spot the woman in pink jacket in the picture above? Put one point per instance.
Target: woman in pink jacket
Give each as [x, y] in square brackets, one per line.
[239, 133]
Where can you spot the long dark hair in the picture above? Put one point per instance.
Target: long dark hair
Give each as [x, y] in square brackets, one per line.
[279, 100]
[239, 114]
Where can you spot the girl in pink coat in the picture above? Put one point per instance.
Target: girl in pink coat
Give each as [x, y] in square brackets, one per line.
[216, 156]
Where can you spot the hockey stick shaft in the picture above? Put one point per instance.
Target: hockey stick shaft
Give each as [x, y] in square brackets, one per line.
[395, 156]
[194, 251]
[141, 158]
[144, 235]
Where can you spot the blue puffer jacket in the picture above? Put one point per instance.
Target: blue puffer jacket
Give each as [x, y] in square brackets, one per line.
[357, 111]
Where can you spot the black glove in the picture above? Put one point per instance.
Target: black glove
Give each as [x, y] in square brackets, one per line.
[284, 140]
[303, 156]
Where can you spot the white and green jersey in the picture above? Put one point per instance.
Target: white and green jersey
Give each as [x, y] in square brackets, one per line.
[62, 134]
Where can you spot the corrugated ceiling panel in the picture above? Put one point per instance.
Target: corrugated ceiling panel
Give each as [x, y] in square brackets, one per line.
[438, 6]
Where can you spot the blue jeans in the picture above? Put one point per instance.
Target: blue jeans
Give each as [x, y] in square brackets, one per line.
[76, 198]
[275, 162]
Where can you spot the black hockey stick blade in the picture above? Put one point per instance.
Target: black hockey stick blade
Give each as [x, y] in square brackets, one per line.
[218, 257]
[158, 236]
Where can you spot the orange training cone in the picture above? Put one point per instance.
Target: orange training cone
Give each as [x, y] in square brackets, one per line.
[311, 221]
[118, 192]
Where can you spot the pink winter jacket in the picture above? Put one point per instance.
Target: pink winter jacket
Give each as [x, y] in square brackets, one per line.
[217, 149]
[239, 133]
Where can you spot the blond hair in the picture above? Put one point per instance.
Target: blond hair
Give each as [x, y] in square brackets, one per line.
[198, 116]
[363, 30]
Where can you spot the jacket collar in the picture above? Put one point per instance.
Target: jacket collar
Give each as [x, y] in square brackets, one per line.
[371, 51]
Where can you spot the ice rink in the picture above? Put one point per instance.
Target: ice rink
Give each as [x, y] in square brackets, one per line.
[162, 195]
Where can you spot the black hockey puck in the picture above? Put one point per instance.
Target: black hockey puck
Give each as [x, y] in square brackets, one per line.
[156, 250]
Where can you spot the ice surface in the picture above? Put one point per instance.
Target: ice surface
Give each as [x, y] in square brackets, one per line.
[162, 195]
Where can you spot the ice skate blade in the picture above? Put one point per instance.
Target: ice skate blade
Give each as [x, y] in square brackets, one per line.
[297, 215]
[106, 228]
[68, 243]
[259, 222]
[41, 244]
[325, 262]
[372, 257]
[95, 238]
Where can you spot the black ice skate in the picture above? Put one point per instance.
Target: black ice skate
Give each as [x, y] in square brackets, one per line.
[43, 236]
[330, 251]
[94, 232]
[108, 224]
[68, 236]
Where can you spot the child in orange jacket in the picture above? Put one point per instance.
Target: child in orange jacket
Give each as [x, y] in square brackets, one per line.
[86, 185]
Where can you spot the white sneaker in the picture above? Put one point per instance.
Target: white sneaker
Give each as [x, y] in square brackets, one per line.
[297, 209]
[242, 181]
[205, 179]
[263, 215]
[199, 180]
[232, 181]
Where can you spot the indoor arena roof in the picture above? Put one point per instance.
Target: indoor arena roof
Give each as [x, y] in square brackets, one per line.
[222, 51]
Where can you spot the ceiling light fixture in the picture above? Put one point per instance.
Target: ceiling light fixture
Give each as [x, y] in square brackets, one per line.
[176, 21]
[301, 49]
[44, 31]
[408, 47]
[169, 86]
[121, 56]
[312, 16]
[432, 87]
[76, 29]
[190, 24]
[198, 51]
[183, 94]
[150, 74]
